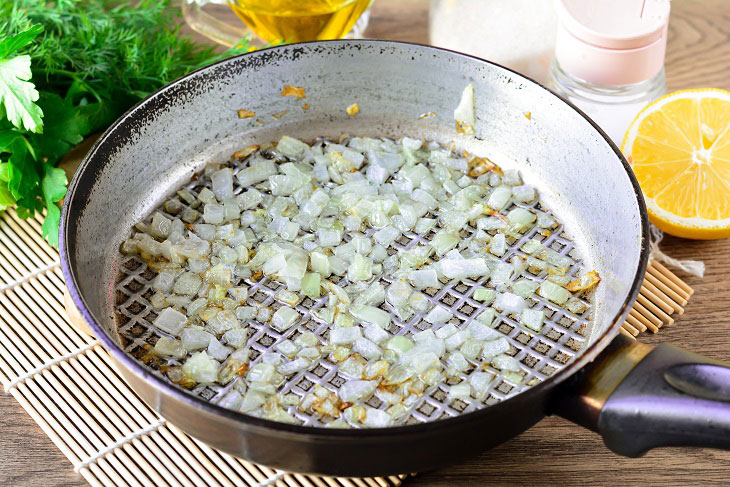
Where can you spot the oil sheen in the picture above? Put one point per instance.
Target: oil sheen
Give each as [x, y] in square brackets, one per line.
[299, 20]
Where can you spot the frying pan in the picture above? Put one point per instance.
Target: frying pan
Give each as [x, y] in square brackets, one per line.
[635, 396]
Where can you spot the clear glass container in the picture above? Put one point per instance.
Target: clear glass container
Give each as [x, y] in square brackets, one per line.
[609, 58]
[612, 107]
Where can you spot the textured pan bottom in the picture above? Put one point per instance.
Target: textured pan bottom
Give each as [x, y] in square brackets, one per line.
[540, 355]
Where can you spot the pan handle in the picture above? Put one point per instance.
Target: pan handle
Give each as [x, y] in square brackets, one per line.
[638, 398]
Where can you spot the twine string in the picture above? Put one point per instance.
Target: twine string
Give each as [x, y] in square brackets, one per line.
[24, 377]
[29, 276]
[271, 480]
[692, 267]
[119, 443]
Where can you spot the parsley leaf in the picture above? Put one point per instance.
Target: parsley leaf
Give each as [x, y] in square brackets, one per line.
[63, 127]
[17, 95]
[53, 184]
[51, 224]
[53, 187]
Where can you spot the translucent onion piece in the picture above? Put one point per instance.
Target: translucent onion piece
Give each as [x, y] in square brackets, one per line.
[553, 292]
[170, 347]
[345, 336]
[201, 368]
[357, 390]
[510, 303]
[371, 314]
[170, 321]
[495, 347]
[195, 338]
[284, 318]
[438, 314]
[532, 319]
[464, 113]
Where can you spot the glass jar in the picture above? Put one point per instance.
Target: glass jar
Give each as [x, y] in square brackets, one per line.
[609, 58]
[612, 107]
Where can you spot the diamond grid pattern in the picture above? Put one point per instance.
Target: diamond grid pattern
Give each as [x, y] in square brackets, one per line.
[540, 354]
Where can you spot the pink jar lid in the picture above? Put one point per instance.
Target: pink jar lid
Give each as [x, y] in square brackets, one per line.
[615, 42]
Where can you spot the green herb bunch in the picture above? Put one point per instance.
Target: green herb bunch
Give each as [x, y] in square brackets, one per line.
[69, 68]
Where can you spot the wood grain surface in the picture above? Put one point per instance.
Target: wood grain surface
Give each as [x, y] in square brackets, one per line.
[554, 452]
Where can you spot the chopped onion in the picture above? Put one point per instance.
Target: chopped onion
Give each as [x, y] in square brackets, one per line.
[170, 321]
[499, 198]
[532, 246]
[464, 113]
[510, 303]
[524, 193]
[484, 295]
[520, 216]
[487, 316]
[502, 274]
[345, 336]
[506, 363]
[532, 319]
[400, 344]
[376, 334]
[367, 349]
[222, 183]
[371, 314]
[284, 318]
[443, 242]
[357, 390]
[259, 170]
[294, 366]
[553, 292]
[498, 245]
[511, 177]
[462, 268]
[525, 287]
[201, 368]
[495, 347]
[438, 314]
[326, 222]
[170, 347]
[311, 285]
[195, 338]
[482, 331]
[480, 382]
[287, 348]
[291, 147]
[217, 350]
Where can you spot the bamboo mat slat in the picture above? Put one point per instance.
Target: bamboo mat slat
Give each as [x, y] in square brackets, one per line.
[65, 381]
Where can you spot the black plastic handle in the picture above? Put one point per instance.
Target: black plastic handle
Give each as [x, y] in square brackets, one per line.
[671, 398]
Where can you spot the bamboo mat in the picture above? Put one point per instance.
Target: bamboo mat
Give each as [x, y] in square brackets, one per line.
[65, 381]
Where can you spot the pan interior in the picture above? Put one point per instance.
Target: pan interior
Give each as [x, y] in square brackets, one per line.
[540, 354]
[157, 148]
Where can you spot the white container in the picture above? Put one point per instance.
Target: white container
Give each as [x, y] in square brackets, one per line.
[518, 34]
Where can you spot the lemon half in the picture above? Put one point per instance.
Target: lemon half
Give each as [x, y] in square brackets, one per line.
[679, 149]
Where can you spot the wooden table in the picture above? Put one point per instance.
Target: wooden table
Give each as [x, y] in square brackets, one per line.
[555, 452]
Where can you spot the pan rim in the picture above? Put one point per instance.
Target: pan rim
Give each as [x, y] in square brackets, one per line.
[582, 359]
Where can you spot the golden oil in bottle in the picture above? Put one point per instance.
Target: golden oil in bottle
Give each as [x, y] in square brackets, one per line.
[299, 20]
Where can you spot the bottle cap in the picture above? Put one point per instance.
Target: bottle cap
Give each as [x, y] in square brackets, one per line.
[615, 42]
